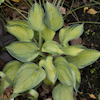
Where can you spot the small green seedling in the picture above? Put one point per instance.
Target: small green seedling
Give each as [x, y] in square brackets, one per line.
[87, 32]
[39, 58]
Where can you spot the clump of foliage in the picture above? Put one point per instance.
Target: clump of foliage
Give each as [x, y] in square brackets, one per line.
[39, 58]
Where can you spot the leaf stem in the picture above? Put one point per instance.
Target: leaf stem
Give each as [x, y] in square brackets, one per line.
[43, 3]
[42, 54]
[40, 40]
[27, 3]
[71, 5]
[35, 41]
[3, 13]
[6, 78]
[84, 22]
[95, 2]
[3, 18]
[62, 3]
[59, 2]
[30, 1]
[54, 2]
[40, 2]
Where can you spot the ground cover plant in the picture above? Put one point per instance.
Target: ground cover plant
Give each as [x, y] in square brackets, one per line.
[61, 61]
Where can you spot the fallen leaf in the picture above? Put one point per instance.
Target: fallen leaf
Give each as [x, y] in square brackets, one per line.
[62, 10]
[84, 98]
[80, 92]
[92, 96]
[85, 8]
[5, 97]
[92, 11]
[16, 0]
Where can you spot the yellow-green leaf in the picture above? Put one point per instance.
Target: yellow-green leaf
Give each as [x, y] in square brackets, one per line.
[76, 76]
[35, 18]
[28, 76]
[52, 47]
[73, 50]
[22, 33]
[23, 51]
[47, 82]
[48, 33]
[11, 70]
[63, 92]
[85, 58]
[64, 71]
[53, 17]
[18, 22]
[99, 96]
[70, 33]
[50, 69]
[1, 1]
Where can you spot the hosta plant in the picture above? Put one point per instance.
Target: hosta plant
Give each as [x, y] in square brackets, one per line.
[39, 58]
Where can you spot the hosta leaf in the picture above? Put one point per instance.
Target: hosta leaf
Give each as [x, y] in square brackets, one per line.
[18, 22]
[64, 71]
[1, 1]
[48, 34]
[76, 75]
[63, 92]
[28, 76]
[35, 17]
[52, 47]
[53, 17]
[14, 95]
[34, 94]
[70, 33]
[23, 51]
[22, 33]
[85, 58]
[11, 70]
[4, 77]
[50, 69]
[47, 82]
[99, 96]
[73, 50]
